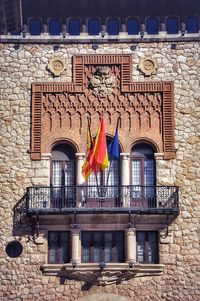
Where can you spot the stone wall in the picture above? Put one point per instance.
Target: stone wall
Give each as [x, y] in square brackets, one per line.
[21, 278]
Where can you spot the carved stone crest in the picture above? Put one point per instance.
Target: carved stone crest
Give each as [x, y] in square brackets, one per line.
[102, 83]
[148, 66]
[57, 65]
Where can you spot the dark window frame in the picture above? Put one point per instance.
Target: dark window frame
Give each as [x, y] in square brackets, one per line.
[58, 246]
[147, 247]
[114, 257]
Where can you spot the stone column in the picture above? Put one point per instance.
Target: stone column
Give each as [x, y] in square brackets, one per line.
[80, 157]
[125, 178]
[130, 240]
[76, 250]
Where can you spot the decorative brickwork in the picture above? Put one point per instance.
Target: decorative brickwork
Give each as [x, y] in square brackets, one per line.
[60, 111]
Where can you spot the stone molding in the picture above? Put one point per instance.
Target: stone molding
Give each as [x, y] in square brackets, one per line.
[148, 66]
[61, 109]
[57, 65]
[94, 274]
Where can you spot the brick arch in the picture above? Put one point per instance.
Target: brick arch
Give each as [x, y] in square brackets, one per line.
[146, 141]
[103, 297]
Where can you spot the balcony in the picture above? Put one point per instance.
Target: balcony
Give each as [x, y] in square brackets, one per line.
[108, 199]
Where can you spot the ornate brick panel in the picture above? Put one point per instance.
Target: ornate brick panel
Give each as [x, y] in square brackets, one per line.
[102, 85]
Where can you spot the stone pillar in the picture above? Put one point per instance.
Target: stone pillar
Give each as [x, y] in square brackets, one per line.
[80, 181]
[125, 178]
[76, 250]
[80, 157]
[130, 237]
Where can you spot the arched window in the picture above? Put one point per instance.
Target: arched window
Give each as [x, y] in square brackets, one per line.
[113, 26]
[152, 26]
[54, 27]
[143, 176]
[93, 26]
[63, 176]
[104, 186]
[172, 25]
[192, 25]
[133, 26]
[74, 27]
[35, 26]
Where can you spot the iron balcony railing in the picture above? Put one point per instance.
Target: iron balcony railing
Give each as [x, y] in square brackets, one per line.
[136, 197]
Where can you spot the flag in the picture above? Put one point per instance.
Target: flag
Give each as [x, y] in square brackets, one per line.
[100, 160]
[97, 158]
[113, 147]
[87, 168]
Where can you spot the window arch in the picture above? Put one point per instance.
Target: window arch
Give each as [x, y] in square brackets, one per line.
[74, 26]
[93, 26]
[63, 175]
[113, 26]
[143, 175]
[54, 27]
[192, 24]
[132, 26]
[172, 25]
[35, 26]
[152, 26]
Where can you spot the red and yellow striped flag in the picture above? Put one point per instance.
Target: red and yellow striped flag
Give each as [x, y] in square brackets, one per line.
[97, 157]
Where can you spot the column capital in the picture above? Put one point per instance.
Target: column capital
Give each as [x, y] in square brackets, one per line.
[159, 156]
[80, 155]
[46, 156]
[125, 155]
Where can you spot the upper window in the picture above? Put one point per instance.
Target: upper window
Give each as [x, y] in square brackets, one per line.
[58, 247]
[93, 26]
[143, 176]
[113, 26]
[54, 27]
[147, 246]
[172, 25]
[103, 188]
[192, 25]
[102, 246]
[152, 26]
[35, 26]
[63, 176]
[133, 26]
[74, 27]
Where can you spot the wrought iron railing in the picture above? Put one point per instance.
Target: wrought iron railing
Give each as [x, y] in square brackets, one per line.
[138, 197]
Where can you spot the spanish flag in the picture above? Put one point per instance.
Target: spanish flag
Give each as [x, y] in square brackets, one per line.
[100, 161]
[86, 168]
[97, 157]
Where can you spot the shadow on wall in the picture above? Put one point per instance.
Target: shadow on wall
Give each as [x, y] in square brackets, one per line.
[21, 223]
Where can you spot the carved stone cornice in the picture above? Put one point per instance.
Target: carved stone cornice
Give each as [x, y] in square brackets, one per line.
[110, 274]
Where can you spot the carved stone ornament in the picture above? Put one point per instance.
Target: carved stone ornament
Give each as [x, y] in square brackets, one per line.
[102, 83]
[57, 65]
[148, 66]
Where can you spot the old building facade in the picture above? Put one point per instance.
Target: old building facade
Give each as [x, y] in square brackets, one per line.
[132, 232]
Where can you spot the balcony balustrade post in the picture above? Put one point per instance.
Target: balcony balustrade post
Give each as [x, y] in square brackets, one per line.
[76, 250]
[130, 237]
[125, 179]
[80, 157]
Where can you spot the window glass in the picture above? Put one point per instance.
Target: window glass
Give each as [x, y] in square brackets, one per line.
[74, 27]
[103, 246]
[192, 25]
[152, 26]
[58, 247]
[113, 27]
[35, 26]
[147, 246]
[93, 26]
[172, 25]
[133, 26]
[54, 27]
